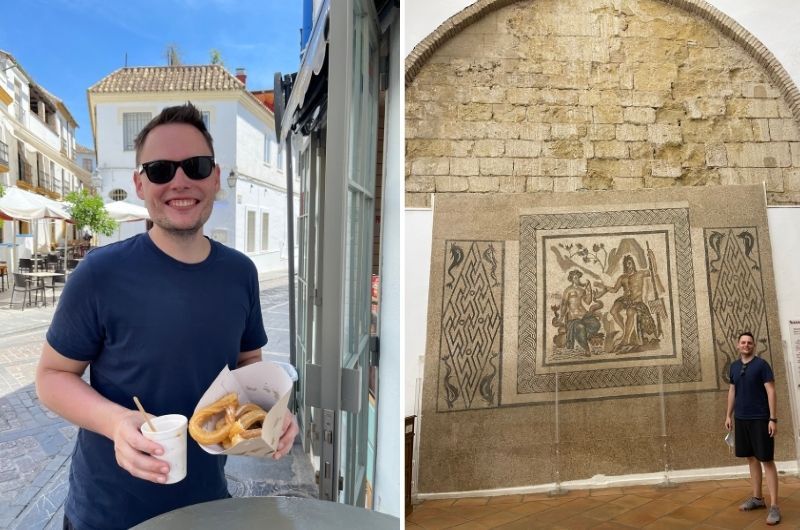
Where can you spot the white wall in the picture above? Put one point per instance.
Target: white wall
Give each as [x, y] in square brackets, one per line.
[389, 482]
[418, 237]
[783, 223]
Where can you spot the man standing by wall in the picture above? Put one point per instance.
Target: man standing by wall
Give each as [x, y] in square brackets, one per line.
[751, 401]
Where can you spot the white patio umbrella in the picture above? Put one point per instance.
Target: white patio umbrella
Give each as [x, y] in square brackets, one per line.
[124, 212]
[17, 203]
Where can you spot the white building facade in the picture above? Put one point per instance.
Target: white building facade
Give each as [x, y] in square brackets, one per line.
[37, 153]
[250, 211]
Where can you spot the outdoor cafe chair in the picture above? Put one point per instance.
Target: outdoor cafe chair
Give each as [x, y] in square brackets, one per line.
[27, 286]
[57, 280]
[25, 264]
[51, 262]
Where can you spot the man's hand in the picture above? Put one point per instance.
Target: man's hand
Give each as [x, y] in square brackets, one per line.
[772, 428]
[133, 450]
[728, 423]
[290, 430]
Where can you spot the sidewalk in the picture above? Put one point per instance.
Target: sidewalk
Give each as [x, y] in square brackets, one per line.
[36, 445]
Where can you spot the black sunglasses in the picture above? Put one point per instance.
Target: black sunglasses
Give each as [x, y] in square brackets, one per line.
[162, 171]
[744, 369]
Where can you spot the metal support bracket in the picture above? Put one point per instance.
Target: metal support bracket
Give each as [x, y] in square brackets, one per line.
[350, 389]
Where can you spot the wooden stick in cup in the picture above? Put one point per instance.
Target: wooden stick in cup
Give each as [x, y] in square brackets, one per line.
[146, 417]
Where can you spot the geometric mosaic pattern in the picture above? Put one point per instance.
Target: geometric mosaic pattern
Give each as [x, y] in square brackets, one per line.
[736, 292]
[472, 323]
[531, 382]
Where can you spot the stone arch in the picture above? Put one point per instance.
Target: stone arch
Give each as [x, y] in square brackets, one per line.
[729, 27]
[751, 160]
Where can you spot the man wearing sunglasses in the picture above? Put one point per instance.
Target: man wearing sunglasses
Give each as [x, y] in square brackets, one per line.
[751, 402]
[156, 316]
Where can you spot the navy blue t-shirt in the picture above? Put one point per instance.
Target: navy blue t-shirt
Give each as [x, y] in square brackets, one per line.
[751, 397]
[162, 330]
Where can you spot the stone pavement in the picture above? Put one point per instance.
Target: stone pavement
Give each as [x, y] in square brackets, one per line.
[35, 444]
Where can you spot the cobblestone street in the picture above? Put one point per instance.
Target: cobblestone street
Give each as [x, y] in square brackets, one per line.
[35, 444]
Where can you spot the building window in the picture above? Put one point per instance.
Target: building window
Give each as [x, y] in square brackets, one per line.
[268, 149]
[264, 231]
[281, 161]
[132, 124]
[206, 118]
[251, 231]
[87, 164]
[118, 194]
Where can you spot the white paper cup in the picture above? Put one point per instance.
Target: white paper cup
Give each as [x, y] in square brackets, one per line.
[170, 434]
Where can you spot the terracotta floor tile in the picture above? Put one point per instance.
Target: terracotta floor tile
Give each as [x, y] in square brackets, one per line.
[527, 508]
[472, 525]
[471, 501]
[435, 503]
[714, 503]
[499, 518]
[577, 522]
[692, 514]
[658, 507]
[607, 491]
[613, 525]
[636, 518]
[471, 512]
[606, 512]
[438, 523]
[630, 501]
[419, 515]
[710, 505]
[668, 523]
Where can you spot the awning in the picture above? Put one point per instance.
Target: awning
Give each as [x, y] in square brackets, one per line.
[313, 60]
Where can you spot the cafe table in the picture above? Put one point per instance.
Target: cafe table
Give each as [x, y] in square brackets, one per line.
[40, 276]
[275, 513]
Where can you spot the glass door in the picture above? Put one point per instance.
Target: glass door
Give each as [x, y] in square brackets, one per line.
[334, 271]
[362, 33]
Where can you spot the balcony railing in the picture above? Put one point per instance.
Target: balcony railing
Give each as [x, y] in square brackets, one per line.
[4, 155]
[26, 176]
[44, 179]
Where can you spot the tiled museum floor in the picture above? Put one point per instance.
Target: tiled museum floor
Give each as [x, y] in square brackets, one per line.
[700, 505]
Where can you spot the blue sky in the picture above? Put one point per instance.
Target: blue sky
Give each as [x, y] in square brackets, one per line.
[68, 45]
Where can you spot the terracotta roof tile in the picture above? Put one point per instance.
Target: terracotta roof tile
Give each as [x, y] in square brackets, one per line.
[167, 79]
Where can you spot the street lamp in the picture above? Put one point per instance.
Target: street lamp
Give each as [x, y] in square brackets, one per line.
[97, 180]
[232, 178]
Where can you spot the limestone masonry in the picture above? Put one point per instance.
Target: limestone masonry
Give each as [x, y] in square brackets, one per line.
[568, 95]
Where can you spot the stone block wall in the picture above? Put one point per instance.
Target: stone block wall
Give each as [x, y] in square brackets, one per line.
[570, 95]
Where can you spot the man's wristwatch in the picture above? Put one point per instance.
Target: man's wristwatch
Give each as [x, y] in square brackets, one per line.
[774, 419]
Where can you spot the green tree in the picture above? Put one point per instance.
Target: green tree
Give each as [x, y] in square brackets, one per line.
[88, 212]
[216, 57]
[173, 55]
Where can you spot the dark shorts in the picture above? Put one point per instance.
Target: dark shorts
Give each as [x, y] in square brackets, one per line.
[753, 439]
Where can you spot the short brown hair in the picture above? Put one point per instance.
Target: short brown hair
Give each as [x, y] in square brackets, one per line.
[187, 114]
